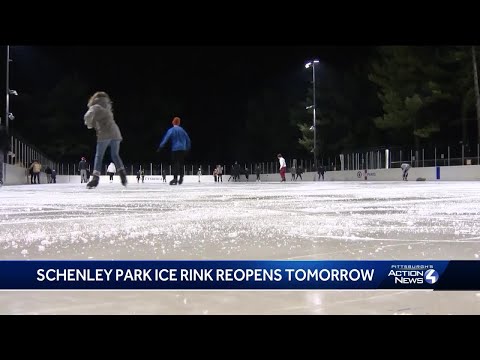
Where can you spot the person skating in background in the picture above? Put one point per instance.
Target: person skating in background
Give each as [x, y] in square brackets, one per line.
[282, 166]
[237, 171]
[4, 146]
[48, 172]
[299, 172]
[199, 173]
[164, 175]
[293, 171]
[258, 171]
[215, 174]
[321, 172]
[30, 172]
[54, 176]
[405, 167]
[36, 169]
[180, 144]
[100, 117]
[246, 172]
[82, 167]
[138, 176]
[220, 173]
[232, 173]
[143, 175]
[111, 170]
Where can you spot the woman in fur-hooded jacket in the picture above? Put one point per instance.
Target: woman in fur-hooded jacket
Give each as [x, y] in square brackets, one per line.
[100, 117]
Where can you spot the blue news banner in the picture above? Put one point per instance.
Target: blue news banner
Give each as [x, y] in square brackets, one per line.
[238, 275]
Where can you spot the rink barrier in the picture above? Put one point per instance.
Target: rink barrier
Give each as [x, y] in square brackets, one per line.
[17, 176]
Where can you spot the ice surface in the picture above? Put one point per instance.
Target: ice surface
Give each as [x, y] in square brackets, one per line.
[298, 220]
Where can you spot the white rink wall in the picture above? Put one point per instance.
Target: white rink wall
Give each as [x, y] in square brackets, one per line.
[15, 175]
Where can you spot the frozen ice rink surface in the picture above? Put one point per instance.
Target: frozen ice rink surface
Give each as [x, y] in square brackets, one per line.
[295, 220]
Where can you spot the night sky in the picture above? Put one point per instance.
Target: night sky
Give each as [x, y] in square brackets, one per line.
[213, 89]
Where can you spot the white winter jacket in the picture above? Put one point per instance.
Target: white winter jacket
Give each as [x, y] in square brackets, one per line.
[111, 168]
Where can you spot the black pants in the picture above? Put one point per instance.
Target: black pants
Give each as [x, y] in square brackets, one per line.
[178, 158]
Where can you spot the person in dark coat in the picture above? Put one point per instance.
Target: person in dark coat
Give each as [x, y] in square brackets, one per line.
[48, 172]
[82, 167]
[321, 172]
[258, 171]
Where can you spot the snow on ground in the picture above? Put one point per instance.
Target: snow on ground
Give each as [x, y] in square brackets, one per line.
[293, 220]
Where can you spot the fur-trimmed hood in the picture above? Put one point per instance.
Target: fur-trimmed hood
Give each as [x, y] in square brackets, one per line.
[101, 98]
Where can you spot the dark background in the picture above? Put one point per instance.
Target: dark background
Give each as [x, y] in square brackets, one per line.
[234, 101]
[247, 103]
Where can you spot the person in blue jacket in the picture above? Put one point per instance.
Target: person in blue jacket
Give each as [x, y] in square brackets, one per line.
[180, 144]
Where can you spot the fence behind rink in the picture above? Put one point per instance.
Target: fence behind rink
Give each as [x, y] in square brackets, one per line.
[378, 158]
[22, 155]
[371, 159]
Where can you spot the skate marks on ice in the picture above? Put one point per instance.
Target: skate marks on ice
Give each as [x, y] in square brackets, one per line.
[310, 220]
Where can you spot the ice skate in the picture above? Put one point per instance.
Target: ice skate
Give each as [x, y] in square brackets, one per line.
[94, 182]
[123, 176]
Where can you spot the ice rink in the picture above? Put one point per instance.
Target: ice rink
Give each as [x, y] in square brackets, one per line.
[293, 220]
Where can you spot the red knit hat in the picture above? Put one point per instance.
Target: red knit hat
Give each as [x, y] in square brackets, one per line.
[176, 121]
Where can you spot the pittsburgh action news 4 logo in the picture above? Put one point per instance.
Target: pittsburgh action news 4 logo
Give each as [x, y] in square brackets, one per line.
[413, 274]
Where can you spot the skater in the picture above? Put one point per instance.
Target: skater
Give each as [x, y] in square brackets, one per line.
[143, 176]
[30, 172]
[199, 173]
[138, 176]
[164, 175]
[405, 167]
[54, 176]
[48, 172]
[233, 174]
[36, 167]
[4, 145]
[219, 172]
[111, 170]
[283, 167]
[293, 172]
[180, 144]
[299, 173]
[215, 174]
[258, 171]
[82, 167]
[100, 117]
[321, 172]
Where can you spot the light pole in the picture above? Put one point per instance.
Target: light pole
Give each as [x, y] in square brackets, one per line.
[8, 91]
[308, 65]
